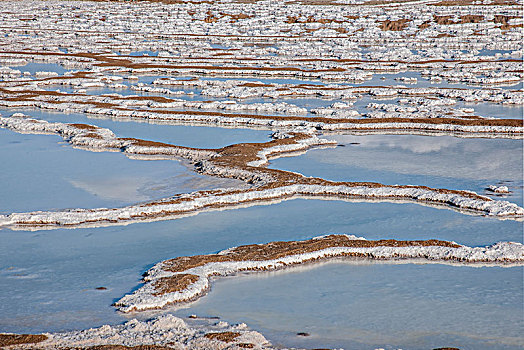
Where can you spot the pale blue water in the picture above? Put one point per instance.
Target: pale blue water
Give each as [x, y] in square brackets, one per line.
[49, 283]
[48, 278]
[144, 53]
[33, 67]
[494, 110]
[434, 161]
[40, 172]
[181, 135]
[374, 305]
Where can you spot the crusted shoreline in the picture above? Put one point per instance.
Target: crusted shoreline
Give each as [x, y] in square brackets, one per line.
[160, 333]
[240, 161]
[186, 279]
[327, 119]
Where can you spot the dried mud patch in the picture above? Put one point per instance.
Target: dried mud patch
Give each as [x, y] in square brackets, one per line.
[173, 283]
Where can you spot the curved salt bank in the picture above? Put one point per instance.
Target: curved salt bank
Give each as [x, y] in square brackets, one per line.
[200, 201]
[235, 161]
[187, 278]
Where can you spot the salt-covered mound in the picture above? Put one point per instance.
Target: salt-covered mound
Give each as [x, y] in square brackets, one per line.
[330, 119]
[242, 162]
[161, 333]
[187, 278]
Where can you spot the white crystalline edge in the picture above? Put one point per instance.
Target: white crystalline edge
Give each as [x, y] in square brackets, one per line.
[144, 298]
[297, 146]
[498, 189]
[21, 123]
[165, 330]
[78, 216]
[272, 123]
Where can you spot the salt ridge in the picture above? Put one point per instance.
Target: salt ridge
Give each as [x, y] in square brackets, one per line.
[148, 297]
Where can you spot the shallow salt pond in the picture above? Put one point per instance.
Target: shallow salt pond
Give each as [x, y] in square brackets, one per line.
[492, 110]
[180, 135]
[41, 172]
[33, 67]
[48, 278]
[369, 305]
[434, 161]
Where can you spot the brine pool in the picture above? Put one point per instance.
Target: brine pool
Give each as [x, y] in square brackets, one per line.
[49, 278]
[368, 305]
[436, 161]
[42, 172]
[180, 135]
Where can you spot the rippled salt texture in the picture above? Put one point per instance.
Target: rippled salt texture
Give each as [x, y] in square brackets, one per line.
[48, 278]
[439, 162]
[41, 172]
[364, 306]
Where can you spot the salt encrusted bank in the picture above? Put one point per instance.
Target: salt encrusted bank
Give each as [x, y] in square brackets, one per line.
[161, 333]
[298, 69]
[243, 162]
[187, 278]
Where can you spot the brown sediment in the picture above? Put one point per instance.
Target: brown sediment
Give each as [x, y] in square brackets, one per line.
[227, 337]
[503, 20]
[471, 19]
[173, 283]
[397, 25]
[277, 250]
[122, 62]
[445, 35]
[84, 126]
[233, 162]
[433, 121]
[17, 339]
[445, 20]
[27, 95]
[256, 85]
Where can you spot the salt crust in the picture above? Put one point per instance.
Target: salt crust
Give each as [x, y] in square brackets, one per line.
[146, 297]
[491, 131]
[86, 136]
[166, 330]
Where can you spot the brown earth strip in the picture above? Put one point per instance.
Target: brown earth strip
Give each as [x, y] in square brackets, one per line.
[28, 95]
[276, 250]
[17, 339]
[227, 337]
[166, 285]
